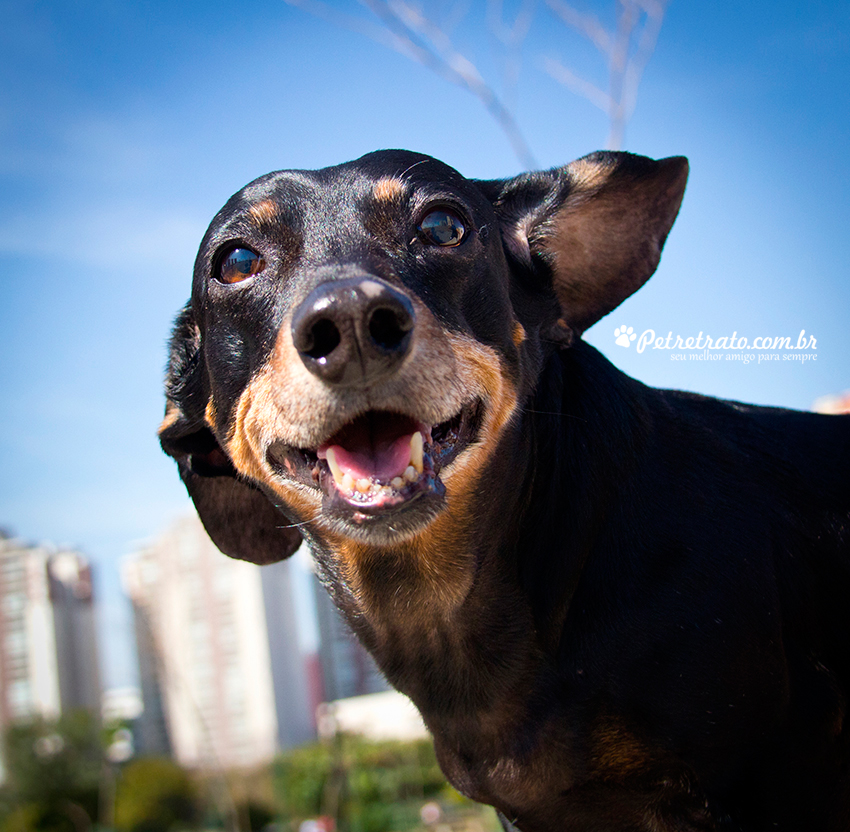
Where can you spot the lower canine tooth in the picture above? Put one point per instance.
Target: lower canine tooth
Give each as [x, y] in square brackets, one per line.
[347, 484]
[417, 445]
[334, 466]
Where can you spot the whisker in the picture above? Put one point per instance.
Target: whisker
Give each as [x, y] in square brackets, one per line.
[313, 519]
[420, 162]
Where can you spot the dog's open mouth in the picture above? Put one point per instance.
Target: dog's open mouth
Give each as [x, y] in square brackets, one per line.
[380, 462]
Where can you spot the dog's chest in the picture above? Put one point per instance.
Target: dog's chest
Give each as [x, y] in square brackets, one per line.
[504, 757]
[546, 777]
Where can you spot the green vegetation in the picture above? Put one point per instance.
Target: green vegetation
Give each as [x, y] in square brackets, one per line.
[58, 780]
[52, 775]
[366, 786]
[154, 795]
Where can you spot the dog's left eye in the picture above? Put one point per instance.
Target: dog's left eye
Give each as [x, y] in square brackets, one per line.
[442, 228]
[240, 264]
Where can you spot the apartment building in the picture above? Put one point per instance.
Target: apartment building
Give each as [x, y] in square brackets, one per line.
[48, 644]
[224, 682]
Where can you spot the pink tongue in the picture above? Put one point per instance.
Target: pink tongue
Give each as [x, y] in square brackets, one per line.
[382, 462]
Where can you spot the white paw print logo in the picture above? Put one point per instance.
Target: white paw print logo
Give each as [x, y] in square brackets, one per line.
[624, 336]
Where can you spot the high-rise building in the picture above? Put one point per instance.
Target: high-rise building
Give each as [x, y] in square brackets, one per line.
[224, 682]
[293, 671]
[347, 669]
[48, 646]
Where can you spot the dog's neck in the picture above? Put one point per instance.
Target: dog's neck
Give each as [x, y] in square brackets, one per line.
[446, 599]
[471, 593]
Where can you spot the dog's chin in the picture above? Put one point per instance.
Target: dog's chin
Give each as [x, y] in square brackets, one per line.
[380, 476]
[386, 526]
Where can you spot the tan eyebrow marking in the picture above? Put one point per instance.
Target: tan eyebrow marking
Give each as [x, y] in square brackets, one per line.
[263, 213]
[388, 188]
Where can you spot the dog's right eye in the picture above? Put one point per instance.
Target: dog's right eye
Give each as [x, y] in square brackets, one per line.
[240, 264]
[442, 228]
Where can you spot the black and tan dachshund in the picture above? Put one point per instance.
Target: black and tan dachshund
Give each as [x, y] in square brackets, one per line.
[617, 608]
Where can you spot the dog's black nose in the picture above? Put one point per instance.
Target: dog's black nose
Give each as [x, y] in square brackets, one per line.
[354, 331]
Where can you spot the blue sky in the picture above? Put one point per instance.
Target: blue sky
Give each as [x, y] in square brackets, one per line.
[125, 126]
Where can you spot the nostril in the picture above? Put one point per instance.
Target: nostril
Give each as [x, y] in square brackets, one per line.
[324, 339]
[388, 328]
[353, 331]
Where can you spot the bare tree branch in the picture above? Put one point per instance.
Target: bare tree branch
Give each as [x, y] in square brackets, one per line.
[511, 37]
[580, 86]
[627, 50]
[627, 19]
[415, 36]
[654, 10]
[586, 24]
[407, 29]
[351, 22]
[450, 13]
[442, 57]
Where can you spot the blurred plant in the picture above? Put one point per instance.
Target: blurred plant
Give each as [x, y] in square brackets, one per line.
[363, 786]
[426, 38]
[301, 777]
[53, 774]
[154, 795]
[255, 816]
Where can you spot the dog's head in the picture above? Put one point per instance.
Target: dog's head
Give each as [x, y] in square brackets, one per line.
[360, 338]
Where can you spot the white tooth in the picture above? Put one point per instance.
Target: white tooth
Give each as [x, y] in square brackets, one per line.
[347, 483]
[363, 485]
[411, 474]
[334, 466]
[417, 445]
[397, 483]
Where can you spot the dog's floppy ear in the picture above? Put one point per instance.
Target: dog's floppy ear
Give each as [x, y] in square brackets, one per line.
[599, 224]
[238, 517]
